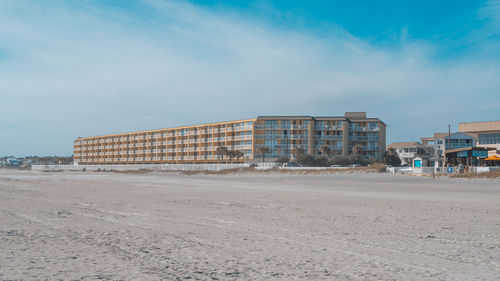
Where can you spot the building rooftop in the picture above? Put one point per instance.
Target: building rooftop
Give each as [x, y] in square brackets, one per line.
[476, 127]
[404, 144]
[167, 129]
[440, 135]
[356, 116]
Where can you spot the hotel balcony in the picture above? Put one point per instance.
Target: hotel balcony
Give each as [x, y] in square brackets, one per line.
[246, 146]
[289, 127]
[243, 128]
[407, 154]
[316, 137]
[364, 129]
[363, 138]
[247, 137]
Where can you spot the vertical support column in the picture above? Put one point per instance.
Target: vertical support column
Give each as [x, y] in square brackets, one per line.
[310, 130]
[381, 140]
[253, 139]
[345, 138]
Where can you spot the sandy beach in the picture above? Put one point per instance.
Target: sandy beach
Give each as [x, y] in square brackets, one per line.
[111, 226]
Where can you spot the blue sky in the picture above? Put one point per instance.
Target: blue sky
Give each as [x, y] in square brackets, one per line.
[83, 68]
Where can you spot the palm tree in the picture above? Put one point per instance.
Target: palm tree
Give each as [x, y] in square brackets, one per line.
[231, 154]
[420, 152]
[391, 157]
[263, 150]
[283, 159]
[325, 150]
[221, 151]
[357, 149]
[238, 154]
[298, 151]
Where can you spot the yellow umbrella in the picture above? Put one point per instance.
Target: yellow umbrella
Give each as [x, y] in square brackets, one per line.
[494, 157]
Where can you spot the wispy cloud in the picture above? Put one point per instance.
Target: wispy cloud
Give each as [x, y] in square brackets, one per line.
[72, 69]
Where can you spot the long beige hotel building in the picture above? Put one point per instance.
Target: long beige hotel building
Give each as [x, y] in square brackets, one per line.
[199, 143]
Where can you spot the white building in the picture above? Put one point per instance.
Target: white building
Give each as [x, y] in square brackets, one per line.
[407, 151]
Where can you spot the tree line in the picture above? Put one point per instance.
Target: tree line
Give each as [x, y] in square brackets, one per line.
[326, 158]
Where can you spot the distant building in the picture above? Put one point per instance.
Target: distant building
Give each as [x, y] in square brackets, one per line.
[486, 134]
[12, 162]
[440, 142]
[407, 151]
[280, 135]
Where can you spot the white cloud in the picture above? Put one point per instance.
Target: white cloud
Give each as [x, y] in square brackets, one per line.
[76, 71]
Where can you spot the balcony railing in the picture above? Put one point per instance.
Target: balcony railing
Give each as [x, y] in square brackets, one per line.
[242, 128]
[243, 137]
[316, 137]
[292, 127]
[246, 146]
[281, 137]
[363, 138]
[364, 129]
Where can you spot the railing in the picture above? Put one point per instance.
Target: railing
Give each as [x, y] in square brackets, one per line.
[242, 128]
[363, 129]
[407, 154]
[440, 170]
[291, 127]
[334, 147]
[125, 167]
[316, 137]
[243, 137]
[245, 146]
[363, 138]
[281, 137]
[327, 128]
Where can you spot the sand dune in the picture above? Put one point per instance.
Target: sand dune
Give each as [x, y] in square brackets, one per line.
[247, 227]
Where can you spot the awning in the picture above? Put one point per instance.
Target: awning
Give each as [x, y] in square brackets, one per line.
[494, 157]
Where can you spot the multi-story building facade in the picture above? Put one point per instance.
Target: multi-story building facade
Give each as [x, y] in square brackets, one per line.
[199, 143]
[486, 134]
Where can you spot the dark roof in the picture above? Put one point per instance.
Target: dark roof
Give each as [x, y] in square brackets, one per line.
[285, 117]
[330, 117]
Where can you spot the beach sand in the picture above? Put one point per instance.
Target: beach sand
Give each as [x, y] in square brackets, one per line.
[111, 226]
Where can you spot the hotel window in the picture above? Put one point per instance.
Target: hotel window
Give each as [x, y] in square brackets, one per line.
[271, 143]
[489, 138]
[271, 133]
[285, 123]
[272, 123]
